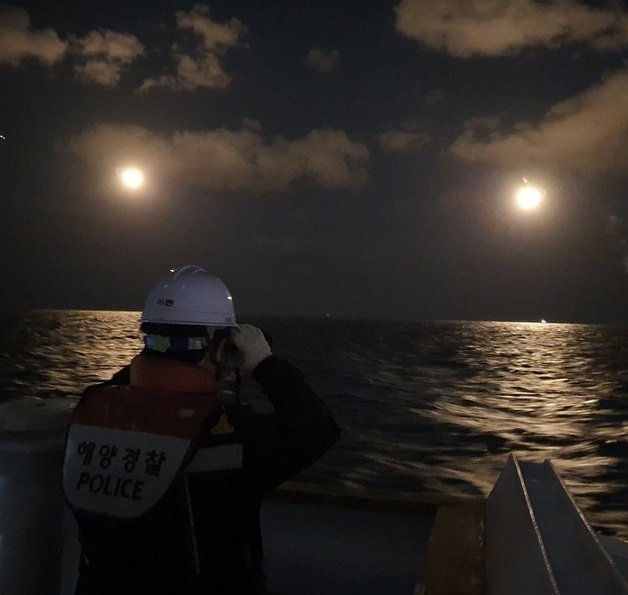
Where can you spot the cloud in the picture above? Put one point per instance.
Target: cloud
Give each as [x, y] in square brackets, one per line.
[409, 139]
[18, 41]
[464, 28]
[403, 141]
[201, 68]
[223, 159]
[588, 132]
[251, 124]
[213, 35]
[103, 54]
[323, 60]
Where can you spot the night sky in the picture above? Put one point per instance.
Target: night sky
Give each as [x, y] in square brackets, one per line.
[350, 158]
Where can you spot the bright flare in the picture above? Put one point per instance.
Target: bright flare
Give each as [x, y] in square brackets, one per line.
[529, 197]
[132, 178]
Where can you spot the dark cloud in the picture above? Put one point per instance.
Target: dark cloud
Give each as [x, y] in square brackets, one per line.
[103, 54]
[403, 141]
[18, 40]
[223, 159]
[465, 28]
[259, 168]
[201, 68]
[410, 137]
[587, 133]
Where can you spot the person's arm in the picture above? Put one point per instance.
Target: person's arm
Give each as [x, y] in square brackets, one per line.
[301, 429]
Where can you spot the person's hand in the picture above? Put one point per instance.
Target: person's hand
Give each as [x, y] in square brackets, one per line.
[251, 344]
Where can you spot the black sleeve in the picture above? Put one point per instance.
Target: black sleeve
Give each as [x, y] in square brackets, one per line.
[302, 428]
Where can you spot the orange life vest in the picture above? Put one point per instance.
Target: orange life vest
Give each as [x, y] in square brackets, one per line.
[127, 444]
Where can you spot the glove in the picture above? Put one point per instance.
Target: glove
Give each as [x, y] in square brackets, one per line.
[252, 346]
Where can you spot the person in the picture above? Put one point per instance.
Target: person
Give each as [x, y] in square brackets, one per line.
[165, 468]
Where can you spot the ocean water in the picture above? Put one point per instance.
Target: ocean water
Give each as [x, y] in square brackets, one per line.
[432, 408]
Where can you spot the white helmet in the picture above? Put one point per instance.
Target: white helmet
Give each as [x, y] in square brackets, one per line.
[190, 295]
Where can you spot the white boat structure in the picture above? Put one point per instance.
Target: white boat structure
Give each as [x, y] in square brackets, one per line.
[528, 537]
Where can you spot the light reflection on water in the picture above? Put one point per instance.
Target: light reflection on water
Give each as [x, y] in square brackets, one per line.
[434, 407]
[60, 352]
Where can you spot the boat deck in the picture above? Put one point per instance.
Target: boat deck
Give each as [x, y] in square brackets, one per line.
[527, 538]
[345, 542]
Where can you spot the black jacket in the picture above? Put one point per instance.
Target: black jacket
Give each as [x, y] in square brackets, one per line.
[204, 536]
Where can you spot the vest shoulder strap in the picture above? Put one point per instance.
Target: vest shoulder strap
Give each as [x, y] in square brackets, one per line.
[171, 375]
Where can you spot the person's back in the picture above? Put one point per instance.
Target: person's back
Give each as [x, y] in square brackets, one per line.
[203, 534]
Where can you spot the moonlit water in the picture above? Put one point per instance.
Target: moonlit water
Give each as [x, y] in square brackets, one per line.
[433, 408]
